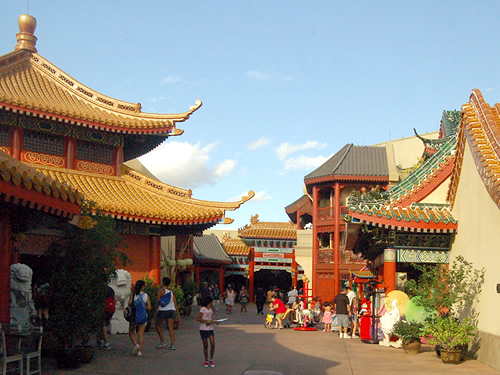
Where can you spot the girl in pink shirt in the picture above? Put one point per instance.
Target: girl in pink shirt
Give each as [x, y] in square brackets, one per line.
[207, 329]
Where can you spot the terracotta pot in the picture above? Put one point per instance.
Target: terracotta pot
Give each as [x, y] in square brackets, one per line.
[451, 356]
[86, 353]
[68, 358]
[412, 347]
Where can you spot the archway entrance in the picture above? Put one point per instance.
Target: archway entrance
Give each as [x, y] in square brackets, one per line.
[266, 279]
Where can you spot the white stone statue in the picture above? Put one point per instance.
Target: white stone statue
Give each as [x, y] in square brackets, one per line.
[122, 286]
[21, 302]
[387, 321]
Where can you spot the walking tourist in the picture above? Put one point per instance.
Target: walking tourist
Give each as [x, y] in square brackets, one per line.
[207, 330]
[354, 317]
[142, 304]
[292, 296]
[109, 310]
[166, 312]
[243, 299]
[351, 294]
[260, 299]
[205, 291]
[216, 297]
[327, 317]
[343, 310]
[229, 297]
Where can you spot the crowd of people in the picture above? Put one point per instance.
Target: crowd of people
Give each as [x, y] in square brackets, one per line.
[342, 314]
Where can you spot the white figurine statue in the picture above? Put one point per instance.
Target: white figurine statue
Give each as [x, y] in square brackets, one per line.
[21, 303]
[122, 285]
[387, 322]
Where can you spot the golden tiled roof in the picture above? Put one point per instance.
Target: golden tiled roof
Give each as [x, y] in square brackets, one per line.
[136, 197]
[30, 84]
[25, 177]
[235, 246]
[268, 230]
[480, 129]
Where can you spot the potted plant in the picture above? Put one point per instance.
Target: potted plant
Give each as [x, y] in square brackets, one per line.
[451, 335]
[82, 260]
[410, 334]
[448, 294]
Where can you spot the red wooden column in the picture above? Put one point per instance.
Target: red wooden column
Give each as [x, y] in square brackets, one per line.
[16, 142]
[221, 278]
[197, 274]
[5, 259]
[155, 258]
[336, 242]
[389, 270]
[295, 272]
[118, 159]
[251, 273]
[70, 153]
[314, 277]
[298, 220]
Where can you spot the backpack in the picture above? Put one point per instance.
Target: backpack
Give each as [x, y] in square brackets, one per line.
[165, 299]
[129, 313]
[141, 316]
[110, 305]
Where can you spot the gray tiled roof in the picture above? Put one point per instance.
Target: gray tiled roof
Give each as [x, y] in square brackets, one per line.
[207, 248]
[354, 161]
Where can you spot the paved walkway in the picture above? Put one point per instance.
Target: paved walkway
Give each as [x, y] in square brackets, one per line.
[244, 344]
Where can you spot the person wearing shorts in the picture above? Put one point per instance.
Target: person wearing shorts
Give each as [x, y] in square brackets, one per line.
[167, 314]
[281, 311]
[343, 310]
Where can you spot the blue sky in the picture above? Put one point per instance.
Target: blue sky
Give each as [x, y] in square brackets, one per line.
[284, 84]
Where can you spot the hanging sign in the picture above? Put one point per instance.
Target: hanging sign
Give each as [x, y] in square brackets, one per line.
[274, 260]
[285, 268]
[273, 250]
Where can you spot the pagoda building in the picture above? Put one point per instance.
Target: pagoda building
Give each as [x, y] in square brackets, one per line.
[272, 254]
[78, 140]
[351, 168]
[236, 273]
[411, 222]
[210, 260]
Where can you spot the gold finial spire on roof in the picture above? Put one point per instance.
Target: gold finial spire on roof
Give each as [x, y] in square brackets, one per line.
[26, 38]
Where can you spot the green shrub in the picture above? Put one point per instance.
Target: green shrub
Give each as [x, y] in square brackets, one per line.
[448, 332]
[408, 331]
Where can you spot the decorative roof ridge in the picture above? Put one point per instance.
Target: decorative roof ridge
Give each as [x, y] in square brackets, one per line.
[159, 188]
[481, 128]
[105, 102]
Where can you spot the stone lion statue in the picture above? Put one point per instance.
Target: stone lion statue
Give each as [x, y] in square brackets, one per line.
[122, 285]
[20, 285]
[21, 303]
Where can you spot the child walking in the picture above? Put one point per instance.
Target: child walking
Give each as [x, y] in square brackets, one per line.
[327, 317]
[207, 329]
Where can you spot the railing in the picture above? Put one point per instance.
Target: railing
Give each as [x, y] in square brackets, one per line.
[346, 256]
[328, 213]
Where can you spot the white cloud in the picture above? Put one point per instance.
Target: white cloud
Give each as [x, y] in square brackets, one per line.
[259, 143]
[259, 196]
[304, 162]
[286, 148]
[260, 76]
[170, 79]
[185, 165]
[225, 168]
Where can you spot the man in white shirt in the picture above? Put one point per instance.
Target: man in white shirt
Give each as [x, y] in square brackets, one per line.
[351, 294]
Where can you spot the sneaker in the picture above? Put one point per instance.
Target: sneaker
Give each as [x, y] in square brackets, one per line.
[341, 335]
[161, 345]
[139, 353]
[355, 336]
[171, 347]
[346, 336]
[212, 364]
[205, 364]
[106, 346]
[136, 349]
